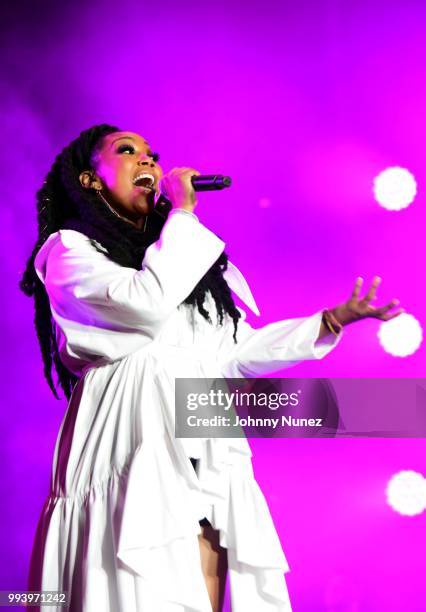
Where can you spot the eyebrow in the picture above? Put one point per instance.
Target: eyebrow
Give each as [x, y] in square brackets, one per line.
[127, 138]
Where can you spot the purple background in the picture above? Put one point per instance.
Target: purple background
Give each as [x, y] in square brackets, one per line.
[302, 103]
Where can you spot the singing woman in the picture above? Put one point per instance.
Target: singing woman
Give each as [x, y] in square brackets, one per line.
[126, 300]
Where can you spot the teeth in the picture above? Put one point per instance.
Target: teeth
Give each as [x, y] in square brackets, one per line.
[148, 179]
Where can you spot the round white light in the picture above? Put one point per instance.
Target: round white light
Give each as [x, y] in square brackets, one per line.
[395, 188]
[264, 202]
[401, 336]
[406, 493]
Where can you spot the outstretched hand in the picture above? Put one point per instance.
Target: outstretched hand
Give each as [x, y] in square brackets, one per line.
[357, 308]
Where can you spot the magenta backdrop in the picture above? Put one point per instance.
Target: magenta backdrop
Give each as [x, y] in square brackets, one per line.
[302, 104]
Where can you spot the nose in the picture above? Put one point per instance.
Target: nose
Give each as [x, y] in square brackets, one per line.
[146, 160]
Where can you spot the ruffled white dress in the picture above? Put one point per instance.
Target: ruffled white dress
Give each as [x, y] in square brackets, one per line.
[118, 530]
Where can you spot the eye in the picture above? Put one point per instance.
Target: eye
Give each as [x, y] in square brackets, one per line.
[155, 156]
[125, 147]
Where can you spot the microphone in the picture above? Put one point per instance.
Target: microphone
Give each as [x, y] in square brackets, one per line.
[210, 182]
[202, 182]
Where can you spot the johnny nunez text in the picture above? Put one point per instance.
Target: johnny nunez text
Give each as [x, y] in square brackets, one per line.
[222, 421]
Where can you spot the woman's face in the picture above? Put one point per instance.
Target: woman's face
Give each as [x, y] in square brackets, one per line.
[120, 160]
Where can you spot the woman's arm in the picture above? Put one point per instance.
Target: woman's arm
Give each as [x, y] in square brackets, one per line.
[285, 343]
[275, 346]
[88, 288]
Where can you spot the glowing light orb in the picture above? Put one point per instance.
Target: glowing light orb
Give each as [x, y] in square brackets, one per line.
[395, 188]
[401, 336]
[264, 202]
[406, 493]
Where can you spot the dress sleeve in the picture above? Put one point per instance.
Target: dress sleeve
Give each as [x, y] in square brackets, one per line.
[85, 286]
[275, 346]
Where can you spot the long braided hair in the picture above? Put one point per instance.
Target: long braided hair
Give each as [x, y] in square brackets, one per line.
[63, 203]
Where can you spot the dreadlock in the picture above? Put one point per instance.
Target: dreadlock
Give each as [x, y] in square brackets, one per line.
[62, 203]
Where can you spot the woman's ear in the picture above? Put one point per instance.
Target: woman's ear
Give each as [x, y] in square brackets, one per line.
[89, 180]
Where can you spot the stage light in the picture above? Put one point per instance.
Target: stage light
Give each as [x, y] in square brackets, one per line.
[264, 202]
[406, 493]
[395, 188]
[401, 336]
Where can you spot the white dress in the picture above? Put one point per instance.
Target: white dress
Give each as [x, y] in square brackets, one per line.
[119, 527]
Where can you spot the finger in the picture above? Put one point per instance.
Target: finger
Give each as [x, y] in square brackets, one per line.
[391, 304]
[186, 170]
[179, 170]
[372, 291]
[183, 172]
[357, 288]
[389, 316]
[193, 172]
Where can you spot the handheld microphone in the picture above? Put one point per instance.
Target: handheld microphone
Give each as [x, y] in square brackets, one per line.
[210, 182]
[202, 182]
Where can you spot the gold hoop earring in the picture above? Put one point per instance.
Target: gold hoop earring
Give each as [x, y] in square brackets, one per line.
[101, 195]
[114, 212]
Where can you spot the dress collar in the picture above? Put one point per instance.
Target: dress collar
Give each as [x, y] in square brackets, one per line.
[239, 285]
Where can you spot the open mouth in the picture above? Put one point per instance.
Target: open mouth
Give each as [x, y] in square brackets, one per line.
[145, 182]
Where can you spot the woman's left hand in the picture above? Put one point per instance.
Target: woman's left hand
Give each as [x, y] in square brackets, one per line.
[357, 308]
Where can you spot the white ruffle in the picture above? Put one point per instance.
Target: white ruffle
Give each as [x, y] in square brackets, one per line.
[156, 553]
[162, 547]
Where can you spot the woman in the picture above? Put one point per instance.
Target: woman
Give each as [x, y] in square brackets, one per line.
[126, 301]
